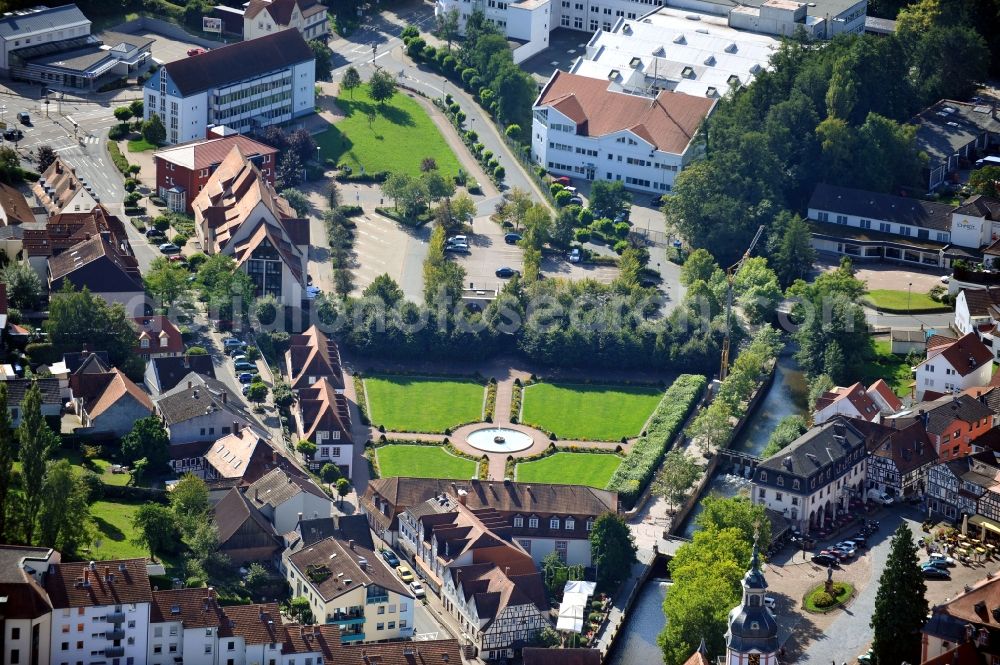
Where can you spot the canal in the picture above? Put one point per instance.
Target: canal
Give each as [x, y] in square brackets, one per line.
[787, 396]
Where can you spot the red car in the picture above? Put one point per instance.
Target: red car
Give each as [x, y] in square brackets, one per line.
[562, 180]
[196, 51]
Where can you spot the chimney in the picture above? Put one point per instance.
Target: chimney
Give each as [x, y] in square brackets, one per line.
[236, 427]
[211, 592]
[187, 361]
[274, 456]
[86, 576]
[189, 385]
[350, 543]
[224, 396]
[336, 522]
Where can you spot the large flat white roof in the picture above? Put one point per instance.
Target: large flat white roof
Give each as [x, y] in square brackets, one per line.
[684, 51]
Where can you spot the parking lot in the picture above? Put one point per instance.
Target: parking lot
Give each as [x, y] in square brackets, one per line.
[166, 49]
[565, 46]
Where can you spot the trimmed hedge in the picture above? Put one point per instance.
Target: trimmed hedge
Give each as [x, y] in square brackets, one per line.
[118, 158]
[642, 462]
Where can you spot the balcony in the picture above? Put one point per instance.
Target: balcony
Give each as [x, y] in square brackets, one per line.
[346, 638]
[114, 652]
[375, 600]
[115, 617]
[346, 618]
[116, 634]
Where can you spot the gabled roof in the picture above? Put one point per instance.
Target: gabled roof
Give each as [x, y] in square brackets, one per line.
[196, 395]
[111, 582]
[668, 122]
[233, 511]
[881, 207]
[64, 230]
[256, 624]
[909, 448]
[492, 591]
[340, 569]
[157, 327]
[856, 395]
[820, 447]
[965, 355]
[979, 205]
[942, 412]
[16, 388]
[979, 301]
[103, 392]
[323, 639]
[171, 369]
[238, 61]
[321, 408]
[14, 208]
[209, 153]
[98, 265]
[194, 608]
[59, 185]
[280, 485]
[313, 354]
[885, 392]
[430, 652]
[281, 10]
[230, 456]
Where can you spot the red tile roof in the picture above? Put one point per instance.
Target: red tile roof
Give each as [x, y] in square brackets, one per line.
[856, 395]
[112, 582]
[207, 153]
[15, 208]
[668, 122]
[313, 354]
[155, 327]
[885, 392]
[965, 355]
[321, 408]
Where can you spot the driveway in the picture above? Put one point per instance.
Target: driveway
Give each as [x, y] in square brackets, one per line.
[565, 46]
[167, 49]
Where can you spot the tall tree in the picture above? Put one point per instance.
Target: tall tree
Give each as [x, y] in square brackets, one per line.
[147, 439]
[447, 25]
[612, 550]
[75, 316]
[900, 604]
[350, 80]
[720, 513]
[677, 475]
[64, 521]
[156, 529]
[322, 54]
[44, 156]
[37, 443]
[289, 171]
[154, 131]
[794, 256]
[189, 502]
[24, 288]
[167, 281]
[298, 201]
[8, 453]
[381, 86]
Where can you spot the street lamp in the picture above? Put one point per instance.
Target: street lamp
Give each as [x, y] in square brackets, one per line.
[909, 288]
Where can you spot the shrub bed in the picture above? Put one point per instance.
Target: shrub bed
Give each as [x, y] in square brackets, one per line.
[639, 466]
[118, 158]
[819, 601]
[491, 401]
[359, 390]
[516, 395]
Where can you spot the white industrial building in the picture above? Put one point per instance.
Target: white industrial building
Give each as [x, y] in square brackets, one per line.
[265, 81]
[696, 54]
[529, 22]
[583, 129]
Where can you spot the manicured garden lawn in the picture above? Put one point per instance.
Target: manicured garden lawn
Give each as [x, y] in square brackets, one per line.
[889, 366]
[589, 412]
[422, 462]
[902, 301]
[140, 145]
[113, 521]
[399, 136]
[592, 469]
[423, 404]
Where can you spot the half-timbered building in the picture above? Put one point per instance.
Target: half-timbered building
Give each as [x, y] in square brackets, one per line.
[899, 460]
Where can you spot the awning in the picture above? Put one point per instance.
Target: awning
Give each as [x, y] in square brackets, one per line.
[990, 525]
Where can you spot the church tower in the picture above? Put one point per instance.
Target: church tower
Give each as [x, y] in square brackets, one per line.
[752, 638]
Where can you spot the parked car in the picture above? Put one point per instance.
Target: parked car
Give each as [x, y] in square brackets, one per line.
[846, 546]
[24, 118]
[562, 180]
[937, 563]
[13, 134]
[418, 589]
[404, 573]
[176, 258]
[244, 366]
[169, 248]
[512, 238]
[576, 200]
[506, 272]
[458, 248]
[879, 497]
[155, 233]
[865, 658]
[245, 377]
[457, 240]
[312, 292]
[837, 554]
[935, 573]
[196, 51]
[246, 389]
[390, 557]
[240, 358]
[823, 559]
[233, 343]
[574, 255]
[939, 557]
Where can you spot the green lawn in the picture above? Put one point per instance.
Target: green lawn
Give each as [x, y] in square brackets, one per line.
[397, 139]
[422, 462]
[589, 412]
[423, 404]
[114, 527]
[140, 145]
[889, 366]
[593, 469]
[902, 301]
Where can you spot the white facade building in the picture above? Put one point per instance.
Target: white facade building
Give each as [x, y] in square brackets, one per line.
[954, 366]
[675, 50]
[264, 81]
[40, 25]
[264, 17]
[285, 498]
[584, 130]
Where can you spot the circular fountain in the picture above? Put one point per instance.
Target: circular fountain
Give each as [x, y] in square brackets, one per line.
[499, 440]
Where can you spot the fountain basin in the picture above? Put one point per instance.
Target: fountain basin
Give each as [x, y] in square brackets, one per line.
[499, 440]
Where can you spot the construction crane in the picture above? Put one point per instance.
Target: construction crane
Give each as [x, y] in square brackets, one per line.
[730, 276]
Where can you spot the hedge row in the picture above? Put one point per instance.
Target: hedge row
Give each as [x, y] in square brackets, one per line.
[359, 391]
[118, 158]
[491, 400]
[642, 462]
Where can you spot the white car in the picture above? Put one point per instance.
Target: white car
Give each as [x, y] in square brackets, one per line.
[418, 589]
[574, 256]
[458, 240]
[846, 547]
[938, 557]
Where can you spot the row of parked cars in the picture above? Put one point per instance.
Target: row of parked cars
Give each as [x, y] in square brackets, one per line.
[404, 572]
[245, 370]
[842, 552]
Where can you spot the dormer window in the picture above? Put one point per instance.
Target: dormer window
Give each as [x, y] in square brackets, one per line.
[554, 523]
[781, 481]
[532, 522]
[144, 343]
[763, 476]
[590, 524]
[570, 523]
[518, 522]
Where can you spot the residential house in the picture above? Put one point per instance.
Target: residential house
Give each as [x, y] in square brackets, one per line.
[202, 409]
[954, 487]
[99, 610]
[856, 401]
[952, 134]
[814, 478]
[667, 50]
[60, 189]
[312, 356]
[349, 585]
[78, 362]
[975, 308]
[14, 208]
[264, 17]
[543, 518]
[578, 656]
[954, 365]
[64, 231]
[899, 459]
[51, 397]
[967, 619]
[953, 422]
[158, 337]
[499, 612]
[285, 496]
[25, 613]
[441, 534]
[323, 417]
[583, 129]
[244, 85]
[183, 170]
[164, 372]
[103, 268]
[976, 223]
[245, 534]
[240, 215]
[108, 403]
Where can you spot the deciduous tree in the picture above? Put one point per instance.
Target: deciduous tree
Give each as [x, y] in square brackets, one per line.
[147, 438]
[350, 80]
[167, 281]
[24, 288]
[298, 201]
[156, 529]
[612, 550]
[44, 156]
[381, 86]
[64, 512]
[677, 475]
[322, 54]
